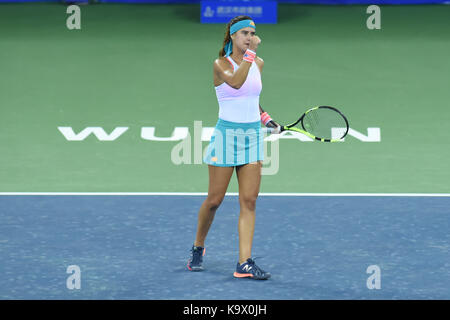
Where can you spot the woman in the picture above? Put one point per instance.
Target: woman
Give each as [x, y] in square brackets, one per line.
[237, 80]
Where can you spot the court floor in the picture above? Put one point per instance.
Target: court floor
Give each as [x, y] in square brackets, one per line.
[136, 247]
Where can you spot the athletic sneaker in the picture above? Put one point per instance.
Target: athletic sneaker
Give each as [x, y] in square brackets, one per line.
[196, 260]
[250, 270]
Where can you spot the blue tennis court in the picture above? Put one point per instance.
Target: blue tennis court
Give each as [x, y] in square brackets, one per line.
[137, 246]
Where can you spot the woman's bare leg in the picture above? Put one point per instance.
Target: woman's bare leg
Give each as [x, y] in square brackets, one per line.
[249, 179]
[219, 178]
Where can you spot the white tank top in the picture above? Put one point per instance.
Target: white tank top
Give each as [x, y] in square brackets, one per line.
[240, 105]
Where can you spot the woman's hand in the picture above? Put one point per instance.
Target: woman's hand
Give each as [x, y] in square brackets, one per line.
[254, 42]
[275, 126]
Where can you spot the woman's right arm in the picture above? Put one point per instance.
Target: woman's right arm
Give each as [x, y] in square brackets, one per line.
[235, 79]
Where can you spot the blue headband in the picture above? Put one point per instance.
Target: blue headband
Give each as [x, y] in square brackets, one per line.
[234, 28]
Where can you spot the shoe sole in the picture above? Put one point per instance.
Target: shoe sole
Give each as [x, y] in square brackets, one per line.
[249, 276]
[194, 269]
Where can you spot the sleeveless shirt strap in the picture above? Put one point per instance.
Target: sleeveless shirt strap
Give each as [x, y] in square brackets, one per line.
[228, 58]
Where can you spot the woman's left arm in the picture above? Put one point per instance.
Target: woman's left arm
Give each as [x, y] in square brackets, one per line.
[265, 118]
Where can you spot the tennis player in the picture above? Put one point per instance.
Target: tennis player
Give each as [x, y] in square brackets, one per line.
[237, 142]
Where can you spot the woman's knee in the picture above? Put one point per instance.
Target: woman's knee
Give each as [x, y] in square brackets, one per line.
[213, 202]
[248, 202]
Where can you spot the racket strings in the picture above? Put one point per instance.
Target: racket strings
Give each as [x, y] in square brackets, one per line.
[310, 122]
[325, 123]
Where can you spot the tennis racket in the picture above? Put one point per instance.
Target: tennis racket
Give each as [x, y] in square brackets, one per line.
[323, 123]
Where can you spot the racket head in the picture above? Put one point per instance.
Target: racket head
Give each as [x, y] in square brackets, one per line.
[322, 123]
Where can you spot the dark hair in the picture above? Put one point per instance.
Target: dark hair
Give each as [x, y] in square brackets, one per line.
[227, 32]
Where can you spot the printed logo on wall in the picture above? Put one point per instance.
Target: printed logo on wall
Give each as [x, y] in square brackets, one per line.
[219, 11]
[209, 13]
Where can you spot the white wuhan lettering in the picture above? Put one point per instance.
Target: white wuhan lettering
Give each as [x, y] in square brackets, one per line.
[181, 133]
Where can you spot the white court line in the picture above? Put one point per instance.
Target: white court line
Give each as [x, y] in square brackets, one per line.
[227, 194]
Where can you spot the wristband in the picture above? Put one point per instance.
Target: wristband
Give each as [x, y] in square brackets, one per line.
[249, 55]
[265, 118]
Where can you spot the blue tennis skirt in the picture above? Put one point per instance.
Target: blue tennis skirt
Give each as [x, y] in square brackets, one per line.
[234, 144]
